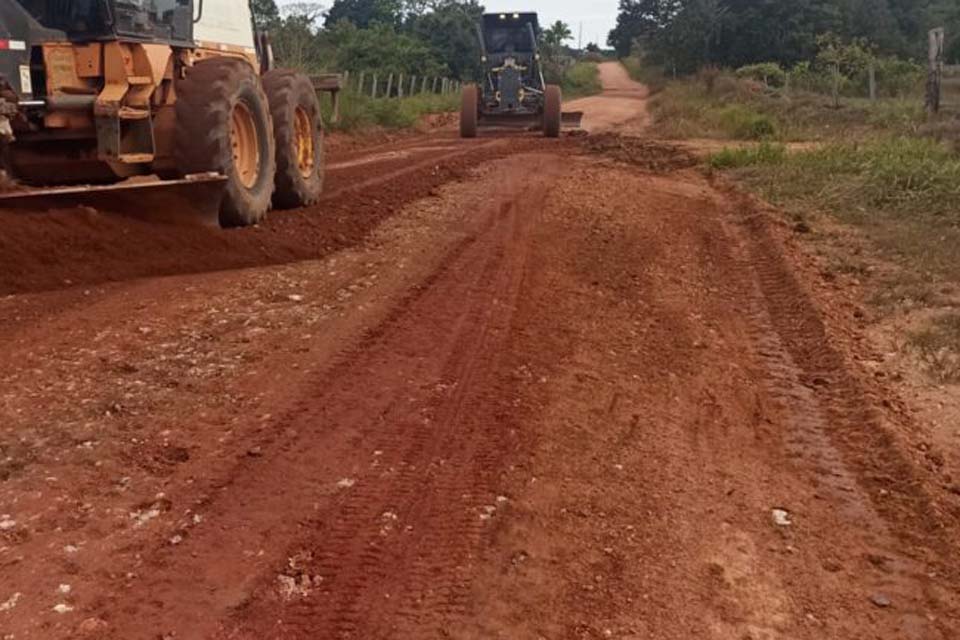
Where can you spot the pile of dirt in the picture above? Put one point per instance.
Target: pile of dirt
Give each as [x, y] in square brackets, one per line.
[57, 249]
[650, 155]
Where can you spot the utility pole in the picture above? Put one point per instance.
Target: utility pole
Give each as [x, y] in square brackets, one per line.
[580, 39]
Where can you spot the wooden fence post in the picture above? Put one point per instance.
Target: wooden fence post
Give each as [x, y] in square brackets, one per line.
[413, 85]
[360, 84]
[872, 72]
[389, 86]
[400, 86]
[434, 89]
[935, 76]
[374, 93]
[423, 87]
[836, 85]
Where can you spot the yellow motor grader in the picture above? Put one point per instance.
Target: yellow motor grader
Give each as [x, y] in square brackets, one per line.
[168, 107]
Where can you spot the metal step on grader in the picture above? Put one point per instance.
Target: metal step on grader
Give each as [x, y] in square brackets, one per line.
[513, 93]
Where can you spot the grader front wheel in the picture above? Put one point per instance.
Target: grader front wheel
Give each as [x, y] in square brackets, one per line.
[552, 111]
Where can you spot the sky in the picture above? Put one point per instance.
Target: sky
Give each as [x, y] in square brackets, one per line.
[598, 16]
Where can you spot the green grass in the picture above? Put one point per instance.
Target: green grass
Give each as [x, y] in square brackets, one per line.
[901, 191]
[361, 112]
[763, 154]
[722, 106]
[582, 79]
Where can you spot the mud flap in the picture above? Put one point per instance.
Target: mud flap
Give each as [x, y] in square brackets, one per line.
[192, 201]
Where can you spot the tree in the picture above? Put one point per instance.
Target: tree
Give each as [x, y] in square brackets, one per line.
[449, 28]
[381, 48]
[266, 15]
[639, 20]
[297, 42]
[365, 13]
[556, 34]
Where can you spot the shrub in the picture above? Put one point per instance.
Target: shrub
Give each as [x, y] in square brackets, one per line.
[769, 73]
[582, 79]
[743, 123]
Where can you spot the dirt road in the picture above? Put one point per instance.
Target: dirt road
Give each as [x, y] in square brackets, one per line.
[503, 388]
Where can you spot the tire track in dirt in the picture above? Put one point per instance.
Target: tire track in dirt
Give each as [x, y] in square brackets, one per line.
[838, 436]
[408, 394]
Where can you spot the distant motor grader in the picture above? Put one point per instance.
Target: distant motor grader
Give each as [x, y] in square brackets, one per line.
[513, 92]
[99, 92]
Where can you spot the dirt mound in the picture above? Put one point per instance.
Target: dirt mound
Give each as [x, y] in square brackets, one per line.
[657, 157]
[43, 251]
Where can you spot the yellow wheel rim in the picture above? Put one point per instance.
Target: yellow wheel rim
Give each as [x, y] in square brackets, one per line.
[303, 142]
[244, 143]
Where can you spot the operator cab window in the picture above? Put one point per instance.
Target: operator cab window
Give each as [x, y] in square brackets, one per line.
[72, 16]
[509, 40]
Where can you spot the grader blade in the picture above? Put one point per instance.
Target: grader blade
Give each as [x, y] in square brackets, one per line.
[192, 201]
[572, 119]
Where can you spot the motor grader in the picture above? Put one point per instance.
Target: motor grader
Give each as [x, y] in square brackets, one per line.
[513, 92]
[103, 93]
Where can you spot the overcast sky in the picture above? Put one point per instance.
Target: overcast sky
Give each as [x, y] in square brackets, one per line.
[598, 16]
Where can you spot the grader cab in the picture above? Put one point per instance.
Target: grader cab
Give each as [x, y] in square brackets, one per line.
[173, 98]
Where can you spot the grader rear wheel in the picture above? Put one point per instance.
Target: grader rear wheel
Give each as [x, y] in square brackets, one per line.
[298, 129]
[223, 125]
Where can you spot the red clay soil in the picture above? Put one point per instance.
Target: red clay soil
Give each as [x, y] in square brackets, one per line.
[558, 395]
[42, 251]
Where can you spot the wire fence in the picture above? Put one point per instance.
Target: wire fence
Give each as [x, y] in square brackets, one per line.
[382, 86]
[388, 85]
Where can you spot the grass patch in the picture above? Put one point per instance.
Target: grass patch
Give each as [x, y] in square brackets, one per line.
[938, 345]
[764, 154]
[362, 112]
[582, 79]
[902, 192]
[720, 105]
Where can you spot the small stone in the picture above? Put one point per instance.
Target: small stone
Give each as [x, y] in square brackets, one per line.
[7, 523]
[880, 600]
[91, 626]
[346, 483]
[295, 298]
[255, 452]
[781, 518]
[63, 608]
[64, 589]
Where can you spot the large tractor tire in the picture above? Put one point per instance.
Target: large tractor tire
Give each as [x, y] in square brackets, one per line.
[552, 111]
[469, 111]
[298, 130]
[223, 125]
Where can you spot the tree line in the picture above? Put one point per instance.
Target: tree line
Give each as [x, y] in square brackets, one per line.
[688, 34]
[410, 37]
